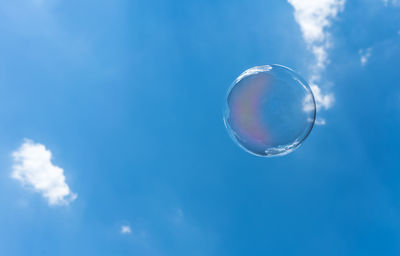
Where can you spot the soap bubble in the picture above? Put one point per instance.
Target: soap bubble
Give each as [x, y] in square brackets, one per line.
[269, 110]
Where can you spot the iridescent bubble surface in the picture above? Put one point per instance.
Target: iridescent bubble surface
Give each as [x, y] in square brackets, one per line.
[269, 110]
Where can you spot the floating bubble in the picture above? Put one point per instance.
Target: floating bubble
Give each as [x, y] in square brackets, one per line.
[269, 110]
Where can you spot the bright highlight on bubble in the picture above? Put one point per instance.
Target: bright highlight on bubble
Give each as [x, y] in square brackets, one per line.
[269, 110]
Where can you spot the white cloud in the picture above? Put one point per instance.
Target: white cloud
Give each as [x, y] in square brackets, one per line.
[364, 55]
[314, 17]
[320, 121]
[126, 230]
[33, 168]
[322, 100]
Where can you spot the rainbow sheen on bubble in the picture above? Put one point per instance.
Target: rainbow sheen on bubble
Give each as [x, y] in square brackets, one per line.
[269, 110]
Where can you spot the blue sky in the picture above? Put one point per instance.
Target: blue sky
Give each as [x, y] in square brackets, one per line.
[119, 107]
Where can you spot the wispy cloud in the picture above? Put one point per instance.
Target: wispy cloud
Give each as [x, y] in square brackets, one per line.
[324, 100]
[314, 18]
[391, 2]
[177, 216]
[126, 229]
[364, 55]
[34, 169]
[320, 122]
[38, 2]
